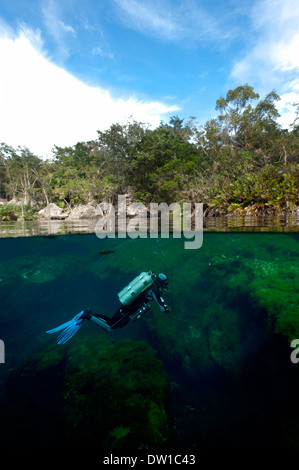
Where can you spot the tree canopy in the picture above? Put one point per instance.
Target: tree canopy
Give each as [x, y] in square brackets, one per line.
[241, 160]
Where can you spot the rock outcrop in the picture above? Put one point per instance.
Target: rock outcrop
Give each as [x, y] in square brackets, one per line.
[52, 211]
[95, 394]
[82, 211]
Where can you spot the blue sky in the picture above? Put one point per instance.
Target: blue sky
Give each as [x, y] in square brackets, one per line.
[71, 67]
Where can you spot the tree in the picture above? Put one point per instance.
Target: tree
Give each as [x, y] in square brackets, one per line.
[241, 158]
[8, 184]
[164, 162]
[21, 180]
[241, 126]
[118, 145]
[233, 109]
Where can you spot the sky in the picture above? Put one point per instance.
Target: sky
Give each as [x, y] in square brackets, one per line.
[71, 67]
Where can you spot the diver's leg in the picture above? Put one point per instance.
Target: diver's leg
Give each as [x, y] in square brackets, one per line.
[101, 323]
[100, 320]
[120, 318]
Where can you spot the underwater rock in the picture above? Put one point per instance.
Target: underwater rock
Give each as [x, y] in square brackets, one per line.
[30, 407]
[275, 289]
[268, 275]
[115, 394]
[36, 269]
[94, 393]
[186, 298]
[49, 268]
[227, 301]
[38, 277]
[202, 330]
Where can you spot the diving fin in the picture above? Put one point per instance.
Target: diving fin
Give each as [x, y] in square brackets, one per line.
[70, 328]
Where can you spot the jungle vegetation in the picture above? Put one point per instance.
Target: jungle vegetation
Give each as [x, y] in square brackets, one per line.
[239, 162]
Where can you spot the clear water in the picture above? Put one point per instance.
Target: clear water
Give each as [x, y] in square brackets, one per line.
[224, 346]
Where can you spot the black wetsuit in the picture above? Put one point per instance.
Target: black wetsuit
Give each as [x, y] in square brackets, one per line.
[133, 311]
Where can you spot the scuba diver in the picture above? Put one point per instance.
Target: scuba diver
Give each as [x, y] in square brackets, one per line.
[135, 300]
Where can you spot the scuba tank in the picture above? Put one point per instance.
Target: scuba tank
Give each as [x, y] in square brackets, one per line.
[135, 288]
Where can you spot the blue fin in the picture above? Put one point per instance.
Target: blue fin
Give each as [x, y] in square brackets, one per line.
[69, 332]
[70, 328]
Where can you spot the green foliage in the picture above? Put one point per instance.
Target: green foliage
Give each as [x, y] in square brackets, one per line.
[240, 161]
[165, 163]
[259, 191]
[9, 212]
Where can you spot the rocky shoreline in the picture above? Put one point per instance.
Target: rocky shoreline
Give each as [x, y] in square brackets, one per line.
[91, 212]
[54, 212]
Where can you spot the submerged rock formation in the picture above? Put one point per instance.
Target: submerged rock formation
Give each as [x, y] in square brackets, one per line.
[226, 299]
[94, 393]
[233, 313]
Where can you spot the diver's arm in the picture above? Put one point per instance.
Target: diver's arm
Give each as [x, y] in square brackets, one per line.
[155, 294]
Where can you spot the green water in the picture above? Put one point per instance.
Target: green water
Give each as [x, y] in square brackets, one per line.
[213, 373]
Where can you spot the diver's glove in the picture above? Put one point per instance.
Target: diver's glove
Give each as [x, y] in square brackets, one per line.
[70, 328]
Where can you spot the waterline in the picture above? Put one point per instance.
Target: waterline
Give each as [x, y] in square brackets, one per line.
[176, 219]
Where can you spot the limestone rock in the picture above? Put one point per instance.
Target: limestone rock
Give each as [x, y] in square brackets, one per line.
[81, 211]
[52, 211]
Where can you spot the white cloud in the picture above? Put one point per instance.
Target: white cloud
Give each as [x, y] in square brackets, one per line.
[271, 57]
[100, 52]
[275, 41]
[56, 27]
[148, 18]
[53, 22]
[42, 105]
[165, 20]
[287, 104]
